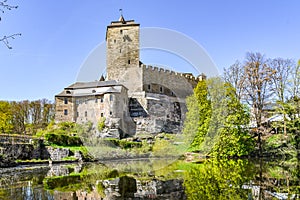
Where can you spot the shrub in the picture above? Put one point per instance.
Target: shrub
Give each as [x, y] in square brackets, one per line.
[124, 144]
[101, 124]
[63, 140]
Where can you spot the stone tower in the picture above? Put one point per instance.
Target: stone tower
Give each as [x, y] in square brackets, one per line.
[122, 54]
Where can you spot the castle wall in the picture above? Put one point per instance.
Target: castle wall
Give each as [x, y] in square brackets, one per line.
[167, 82]
[64, 110]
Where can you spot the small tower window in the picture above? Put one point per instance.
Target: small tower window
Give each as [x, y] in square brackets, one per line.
[68, 92]
[101, 114]
[110, 112]
[128, 61]
[111, 97]
[101, 99]
[149, 87]
[115, 41]
[161, 89]
[77, 114]
[96, 100]
[121, 31]
[66, 100]
[120, 50]
[85, 113]
[65, 111]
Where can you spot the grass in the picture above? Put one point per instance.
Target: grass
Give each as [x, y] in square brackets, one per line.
[69, 158]
[31, 161]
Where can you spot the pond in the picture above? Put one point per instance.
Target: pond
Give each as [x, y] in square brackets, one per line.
[154, 179]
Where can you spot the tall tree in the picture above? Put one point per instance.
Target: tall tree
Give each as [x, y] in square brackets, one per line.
[280, 79]
[235, 76]
[198, 116]
[5, 117]
[233, 138]
[258, 91]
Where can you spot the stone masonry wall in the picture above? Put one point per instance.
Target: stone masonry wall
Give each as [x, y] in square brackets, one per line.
[180, 84]
[122, 44]
[61, 106]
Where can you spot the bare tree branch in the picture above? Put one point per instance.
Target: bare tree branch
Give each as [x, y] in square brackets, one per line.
[3, 6]
[5, 39]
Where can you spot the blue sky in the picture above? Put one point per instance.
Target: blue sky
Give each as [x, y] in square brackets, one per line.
[57, 36]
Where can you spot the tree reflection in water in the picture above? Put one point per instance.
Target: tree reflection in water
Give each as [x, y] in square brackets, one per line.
[242, 179]
[210, 179]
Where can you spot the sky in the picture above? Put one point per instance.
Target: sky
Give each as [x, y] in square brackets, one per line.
[58, 36]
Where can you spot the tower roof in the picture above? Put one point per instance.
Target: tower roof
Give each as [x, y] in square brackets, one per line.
[121, 19]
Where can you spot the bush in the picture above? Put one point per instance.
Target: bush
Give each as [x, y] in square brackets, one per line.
[124, 144]
[63, 139]
[101, 124]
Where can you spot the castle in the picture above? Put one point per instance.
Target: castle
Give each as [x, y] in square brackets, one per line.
[133, 98]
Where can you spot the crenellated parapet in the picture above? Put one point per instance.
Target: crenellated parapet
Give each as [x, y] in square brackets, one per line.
[167, 72]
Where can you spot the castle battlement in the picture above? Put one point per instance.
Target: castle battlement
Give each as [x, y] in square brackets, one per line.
[170, 72]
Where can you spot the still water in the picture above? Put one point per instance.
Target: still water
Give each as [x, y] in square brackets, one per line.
[154, 179]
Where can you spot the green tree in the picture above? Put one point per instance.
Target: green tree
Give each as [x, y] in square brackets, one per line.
[5, 117]
[233, 138]
[216, 120]
[198, 116]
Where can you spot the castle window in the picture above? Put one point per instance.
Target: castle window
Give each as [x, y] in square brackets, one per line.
[101, 99]
[66, 100]
[110, 112]
[101, 114]
[65, 111]
[128, 61]
[93, 91]
[121, 31]
[68, 92]
[77, 114]
[111, 97]
[96, 100]
[114, 41]
[85, 113]
[161, 89]
[120, 50]
[149, 87]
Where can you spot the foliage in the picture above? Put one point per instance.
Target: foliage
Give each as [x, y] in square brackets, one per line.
[261, 81]
[219, 120]
[124, 144]
[198, 116]
[233, 138]
[5, 117]
[101, 124]
[25, 116]
[63, 139]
